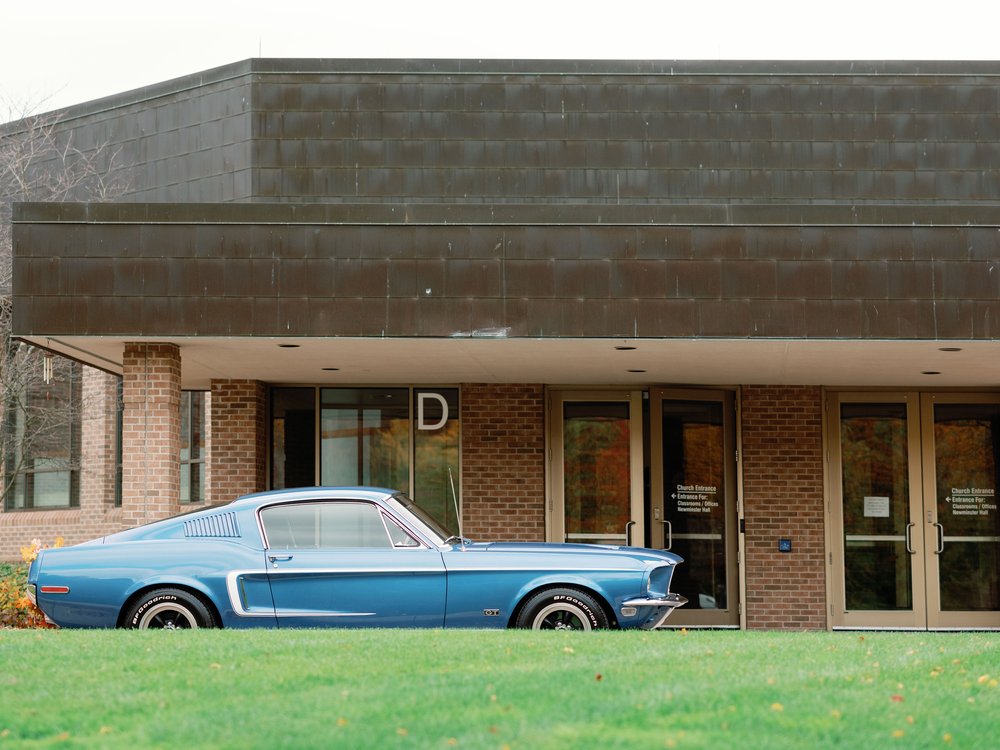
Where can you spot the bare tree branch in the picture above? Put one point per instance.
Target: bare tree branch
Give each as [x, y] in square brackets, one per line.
[39, 162]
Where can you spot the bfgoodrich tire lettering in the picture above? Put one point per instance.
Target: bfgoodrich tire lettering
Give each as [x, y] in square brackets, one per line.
[562, 609]
[169, 609]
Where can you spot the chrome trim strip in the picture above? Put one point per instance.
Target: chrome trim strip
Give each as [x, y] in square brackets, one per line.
[233, 589]
[668, 604]
[670, 600]
[311, 613]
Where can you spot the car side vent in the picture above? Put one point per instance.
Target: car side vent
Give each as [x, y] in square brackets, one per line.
[220, 525]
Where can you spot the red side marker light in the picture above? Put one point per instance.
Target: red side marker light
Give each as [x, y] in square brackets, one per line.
[54, 589]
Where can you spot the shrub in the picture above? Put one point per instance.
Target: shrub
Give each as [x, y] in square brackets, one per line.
[16, 609]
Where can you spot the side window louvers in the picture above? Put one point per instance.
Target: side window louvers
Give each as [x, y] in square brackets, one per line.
[222, 525]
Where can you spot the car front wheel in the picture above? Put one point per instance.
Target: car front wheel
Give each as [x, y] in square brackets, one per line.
[169, 609]
[562, 609]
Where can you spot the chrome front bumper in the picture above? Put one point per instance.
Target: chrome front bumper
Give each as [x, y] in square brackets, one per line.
[664, 608]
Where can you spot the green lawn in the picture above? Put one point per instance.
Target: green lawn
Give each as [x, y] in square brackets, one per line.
[488, 689]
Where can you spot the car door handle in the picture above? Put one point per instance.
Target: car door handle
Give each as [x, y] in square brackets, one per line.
[275, 559]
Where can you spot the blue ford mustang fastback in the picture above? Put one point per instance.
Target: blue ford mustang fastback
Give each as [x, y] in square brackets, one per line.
[344, 557]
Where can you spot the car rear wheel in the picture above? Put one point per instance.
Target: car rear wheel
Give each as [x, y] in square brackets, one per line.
[562, 609]
[169, 609]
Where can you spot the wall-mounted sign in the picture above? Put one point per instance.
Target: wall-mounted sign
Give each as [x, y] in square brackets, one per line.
[972, 501]
[695, 498]
[876, 507]
[422, 423]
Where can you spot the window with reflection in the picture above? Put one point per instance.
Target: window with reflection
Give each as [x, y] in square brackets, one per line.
[42, 432]
[876, 500]
[329, 525]
[365, 437]
[192, 447]
[967, 467]
[401, 438]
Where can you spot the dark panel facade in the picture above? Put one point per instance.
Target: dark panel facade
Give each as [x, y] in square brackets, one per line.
[557, 132]
[182, 140]
[553, 198]
[624, 134]
[97, 270]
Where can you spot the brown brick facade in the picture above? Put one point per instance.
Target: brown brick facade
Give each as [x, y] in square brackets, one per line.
[97, 514]
[503, 462]
[783, 498]
[238, 432]
[151, 394]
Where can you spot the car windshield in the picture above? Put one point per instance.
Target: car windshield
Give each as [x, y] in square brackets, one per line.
[423, 520]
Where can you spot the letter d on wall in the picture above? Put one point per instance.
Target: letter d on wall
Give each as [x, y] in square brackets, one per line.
[421, 424]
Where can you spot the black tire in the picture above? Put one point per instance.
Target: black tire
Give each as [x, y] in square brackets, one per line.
[562, 609]
[169, 609]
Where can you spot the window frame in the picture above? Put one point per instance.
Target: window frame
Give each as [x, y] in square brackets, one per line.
[72, 439]
[192, 405]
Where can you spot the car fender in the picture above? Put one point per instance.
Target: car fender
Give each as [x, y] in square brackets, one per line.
[566, 580]
[176, 582]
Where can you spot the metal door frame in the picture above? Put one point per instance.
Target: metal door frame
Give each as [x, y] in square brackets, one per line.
[733, 616]
[556, 516]
[923, 521]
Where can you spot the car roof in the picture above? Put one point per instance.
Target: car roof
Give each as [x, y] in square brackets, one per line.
[317, 493]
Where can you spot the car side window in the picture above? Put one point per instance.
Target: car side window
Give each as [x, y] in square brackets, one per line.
[399, 537]
[325, 525]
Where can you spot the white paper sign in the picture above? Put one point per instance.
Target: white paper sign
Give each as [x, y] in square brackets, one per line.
[876, 507]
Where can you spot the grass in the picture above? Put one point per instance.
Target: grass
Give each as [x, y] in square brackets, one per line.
[506, 689]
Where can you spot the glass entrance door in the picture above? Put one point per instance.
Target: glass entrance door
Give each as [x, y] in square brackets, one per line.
[878, 549]
[693, 500]
[596, 442]
[913, 508]
[962, 444]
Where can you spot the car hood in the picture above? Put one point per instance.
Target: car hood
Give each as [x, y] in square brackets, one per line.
[596, 550]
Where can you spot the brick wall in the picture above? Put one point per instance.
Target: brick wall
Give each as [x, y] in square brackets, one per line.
[503, 462]
[783, 498]
[97, 514]
[151, 393]
[239, 440]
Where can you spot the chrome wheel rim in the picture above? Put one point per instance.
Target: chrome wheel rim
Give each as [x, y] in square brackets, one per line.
[560, 617]
[168, 616]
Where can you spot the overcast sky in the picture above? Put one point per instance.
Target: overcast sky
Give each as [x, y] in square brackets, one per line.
[63, 52]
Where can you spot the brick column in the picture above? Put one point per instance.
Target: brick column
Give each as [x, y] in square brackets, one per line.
[783, 498]
[98, 455]
[503, 462]
[151, 432]
[237, 456]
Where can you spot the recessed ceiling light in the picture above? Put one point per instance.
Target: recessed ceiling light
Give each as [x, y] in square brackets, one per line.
[931, 372]
[288, 346]
[949, 348]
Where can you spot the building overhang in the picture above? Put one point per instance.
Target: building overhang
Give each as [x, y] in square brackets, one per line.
[490, 358]
[865, 296]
